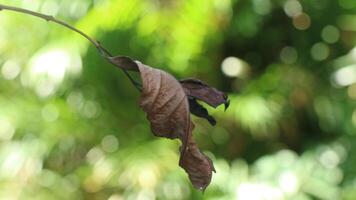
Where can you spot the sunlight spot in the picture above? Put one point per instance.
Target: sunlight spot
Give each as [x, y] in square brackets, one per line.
[147, 178]
[302, 21]
[288, 182]
[233, 67]
[48, 69]
[102, 171]
[330, 34]
[289, 55]
[345, 76]
[12, 164]
[319, 51]
[287, 157]
[91, 109]
[293, 8]
[329, 159]
[109, 143]
[262, 7]
[51, 63]
[10, 70]
[94, 155]
[75, 100]
[100, 176]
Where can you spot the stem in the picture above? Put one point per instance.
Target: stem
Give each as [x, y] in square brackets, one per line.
[103, 52]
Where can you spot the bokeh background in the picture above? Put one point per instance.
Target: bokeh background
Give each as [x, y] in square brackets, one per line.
[71, 128]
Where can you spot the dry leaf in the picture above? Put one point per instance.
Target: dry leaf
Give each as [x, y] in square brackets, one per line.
[165, 101]
[199, 111]
[199, 90]
[123, 62]
[196, 89]
[198, 166]
[167, 108]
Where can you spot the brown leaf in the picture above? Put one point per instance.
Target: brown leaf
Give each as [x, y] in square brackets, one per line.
[124, 62]
[167, 108]
[198, 166]
[199, 111]
[199, 90]
[165, 103]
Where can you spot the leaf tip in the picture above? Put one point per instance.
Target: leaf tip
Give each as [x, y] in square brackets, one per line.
[124, 62]
[227, 103]
[212, 120]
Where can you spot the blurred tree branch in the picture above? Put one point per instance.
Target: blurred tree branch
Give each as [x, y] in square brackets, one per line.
[104, 52]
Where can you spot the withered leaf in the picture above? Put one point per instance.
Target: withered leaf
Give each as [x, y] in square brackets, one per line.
[198, 166]
[167, 104]
[198, 89]
[167, 108]
[123, 62]
[199, 111]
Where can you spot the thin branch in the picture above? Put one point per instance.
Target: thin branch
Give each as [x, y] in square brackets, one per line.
[104, 52]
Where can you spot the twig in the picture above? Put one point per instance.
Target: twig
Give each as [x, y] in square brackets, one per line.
[103, 52]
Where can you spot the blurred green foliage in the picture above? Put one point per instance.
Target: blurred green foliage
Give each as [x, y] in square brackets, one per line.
[70, 126]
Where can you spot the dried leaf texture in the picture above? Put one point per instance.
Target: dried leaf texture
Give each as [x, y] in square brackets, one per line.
[123, 62]
[198, 166]
[199, 90]
[199, 111]
[165, 103]
[167, 108]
